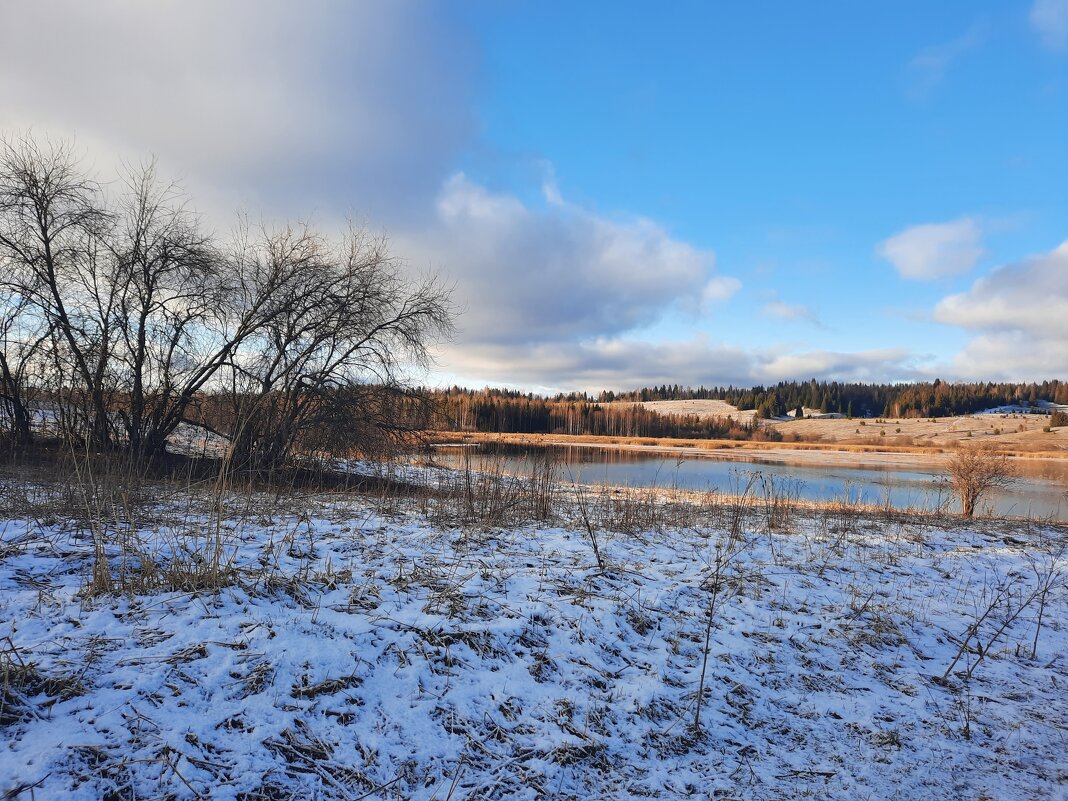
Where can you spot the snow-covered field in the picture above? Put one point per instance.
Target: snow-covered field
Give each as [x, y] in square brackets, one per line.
[358, 654]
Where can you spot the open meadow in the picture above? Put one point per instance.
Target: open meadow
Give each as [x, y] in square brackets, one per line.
[1023, 433]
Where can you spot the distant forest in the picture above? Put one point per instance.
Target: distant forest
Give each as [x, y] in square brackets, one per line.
[512, 411]
[928, 399]
[506, 411]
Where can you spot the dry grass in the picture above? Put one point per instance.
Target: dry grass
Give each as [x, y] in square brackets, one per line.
[1056, 443]
[1011, 433]
[1015, 434]
[26, 692]
[490, 498]
[122, 514]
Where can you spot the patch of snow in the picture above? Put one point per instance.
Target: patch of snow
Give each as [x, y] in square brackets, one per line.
[360, 655]
[1038, 407]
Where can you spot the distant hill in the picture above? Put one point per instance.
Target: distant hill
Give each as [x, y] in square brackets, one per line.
[736, 413]
[926, 399]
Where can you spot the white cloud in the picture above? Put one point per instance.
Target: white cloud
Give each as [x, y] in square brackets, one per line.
[1029, 296]
[601, 363]
[719, 289]
[1019, 319]
[790, 311]
[934, 250]
[290, 108]
[1050, 19]
[558, 272]
[619, 363]
[887, 364]
[1011, 356]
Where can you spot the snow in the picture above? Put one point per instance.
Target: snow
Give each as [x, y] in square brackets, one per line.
[1037, 407]
[191, 439]
[363, 654]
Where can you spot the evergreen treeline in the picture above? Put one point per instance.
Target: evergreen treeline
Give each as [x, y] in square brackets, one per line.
[505, 411]
[512, 411]
[926, 399]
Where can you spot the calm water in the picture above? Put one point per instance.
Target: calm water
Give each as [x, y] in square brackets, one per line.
[1040, 491]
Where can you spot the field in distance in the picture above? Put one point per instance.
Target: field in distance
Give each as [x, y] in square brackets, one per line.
[1009, 432]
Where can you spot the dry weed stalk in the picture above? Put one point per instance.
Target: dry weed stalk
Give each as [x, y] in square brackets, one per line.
[726, 556]
[1009, 600]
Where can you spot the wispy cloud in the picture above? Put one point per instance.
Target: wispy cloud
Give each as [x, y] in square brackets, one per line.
[719, 289]
[934, 250]
[1049, 18]
[790, 311]
[931, 65]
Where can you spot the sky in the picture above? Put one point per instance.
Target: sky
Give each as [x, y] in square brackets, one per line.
[620, 194]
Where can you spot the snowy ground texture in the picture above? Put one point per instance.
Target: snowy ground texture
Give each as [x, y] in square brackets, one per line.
[362, 655]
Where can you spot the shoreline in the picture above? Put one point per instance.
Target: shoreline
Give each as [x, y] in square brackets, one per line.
[919, 508]
[795, 453]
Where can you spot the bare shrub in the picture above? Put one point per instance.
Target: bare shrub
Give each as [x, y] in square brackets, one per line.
[340, 317]
[973, 472]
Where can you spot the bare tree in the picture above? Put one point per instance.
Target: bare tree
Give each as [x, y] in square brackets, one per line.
[170, 294]
[20, 340]
[52, 231]
[973, 472]
[139, 313]
[346, 321]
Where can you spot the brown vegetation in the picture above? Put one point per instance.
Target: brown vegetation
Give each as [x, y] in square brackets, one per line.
[973, 472]
[1024, 435]
[871, 446]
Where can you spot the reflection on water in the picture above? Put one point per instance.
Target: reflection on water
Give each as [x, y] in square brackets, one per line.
[1040, 491]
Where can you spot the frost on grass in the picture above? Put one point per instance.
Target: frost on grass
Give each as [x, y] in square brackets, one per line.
[353, 655]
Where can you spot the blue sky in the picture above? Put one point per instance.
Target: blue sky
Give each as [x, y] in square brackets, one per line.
[792, 142]
[623, 193]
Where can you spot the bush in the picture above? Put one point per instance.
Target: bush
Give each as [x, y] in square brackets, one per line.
[975, 471]
[1058, 419]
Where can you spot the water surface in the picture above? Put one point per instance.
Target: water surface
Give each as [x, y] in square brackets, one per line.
[1040, 491]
